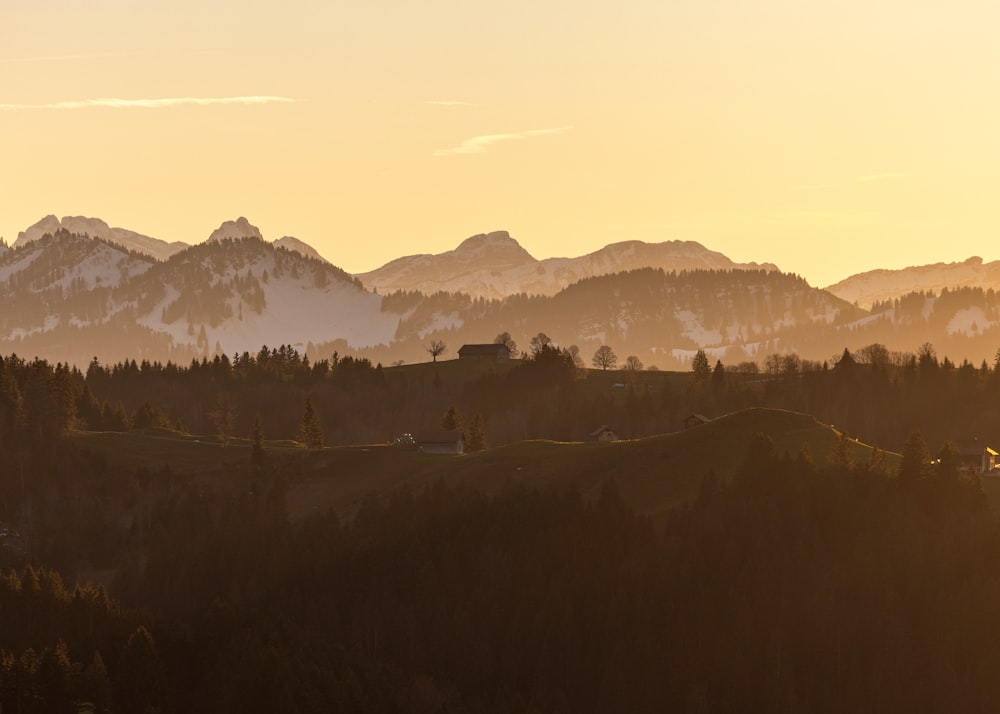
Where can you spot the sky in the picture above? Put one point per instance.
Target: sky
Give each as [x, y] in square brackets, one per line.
[826, 137]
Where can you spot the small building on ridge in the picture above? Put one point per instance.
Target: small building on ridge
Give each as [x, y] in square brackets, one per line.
[497, 353]
[442, 441]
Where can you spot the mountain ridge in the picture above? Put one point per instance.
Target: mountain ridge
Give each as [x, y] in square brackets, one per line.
[494, 265]
[97, 228]
[882, 284]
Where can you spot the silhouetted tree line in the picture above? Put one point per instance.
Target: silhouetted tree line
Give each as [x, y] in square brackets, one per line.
[874, 394]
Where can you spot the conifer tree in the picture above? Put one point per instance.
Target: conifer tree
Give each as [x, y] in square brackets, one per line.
[840, 455]
[475, 438]
[915, 458]
[718, 375]
[310, 430]
[140, 675]
[95, 687]
[700, 366]
[949, 462]
[257, 442]
[452, 420]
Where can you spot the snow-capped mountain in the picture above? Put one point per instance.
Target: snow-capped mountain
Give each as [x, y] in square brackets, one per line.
[65, 261]
[876, 286]
[494, 265]
[244, 293]
[71, 295]
[154, 247]
[96, 228]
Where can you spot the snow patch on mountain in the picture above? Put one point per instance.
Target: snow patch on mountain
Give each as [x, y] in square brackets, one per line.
[16, 262]
[693, 329]
[50, 323]
[971, 321]
[103, 267]
[450, 321]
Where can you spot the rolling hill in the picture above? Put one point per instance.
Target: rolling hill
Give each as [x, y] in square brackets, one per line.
[654, 474]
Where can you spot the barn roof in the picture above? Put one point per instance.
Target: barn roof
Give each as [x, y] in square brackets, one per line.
[487, 350]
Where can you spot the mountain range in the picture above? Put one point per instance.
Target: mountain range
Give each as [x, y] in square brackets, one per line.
[86, 290]
[494, 265]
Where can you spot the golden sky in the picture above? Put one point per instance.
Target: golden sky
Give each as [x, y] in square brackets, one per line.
[826, 137]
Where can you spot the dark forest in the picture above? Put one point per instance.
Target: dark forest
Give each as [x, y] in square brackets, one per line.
[795, 583]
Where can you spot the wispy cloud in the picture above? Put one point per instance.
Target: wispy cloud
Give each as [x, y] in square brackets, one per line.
[479, 144]
[878, 177]
[146, 103]
[448, 103]
[101, 55]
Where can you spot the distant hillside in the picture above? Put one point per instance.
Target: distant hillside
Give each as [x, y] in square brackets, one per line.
[876, 286]
[494, 265]
[654, 474]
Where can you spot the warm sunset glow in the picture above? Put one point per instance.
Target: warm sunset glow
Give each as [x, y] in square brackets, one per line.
[828, 138]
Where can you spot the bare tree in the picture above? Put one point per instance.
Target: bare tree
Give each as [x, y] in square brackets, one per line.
[633, 363]
[436, 347]
[574, 352]
[540, 343]
[507, 341]
[605, 357]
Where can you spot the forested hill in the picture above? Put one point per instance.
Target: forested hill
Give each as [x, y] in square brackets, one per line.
[525, 599]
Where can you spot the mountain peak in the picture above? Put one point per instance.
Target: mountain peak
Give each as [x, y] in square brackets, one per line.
[240, 228]
[48, 224]
[96, 228]
[497, 244]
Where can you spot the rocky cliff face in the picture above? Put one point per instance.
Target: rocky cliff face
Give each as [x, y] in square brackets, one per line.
[240, 228]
